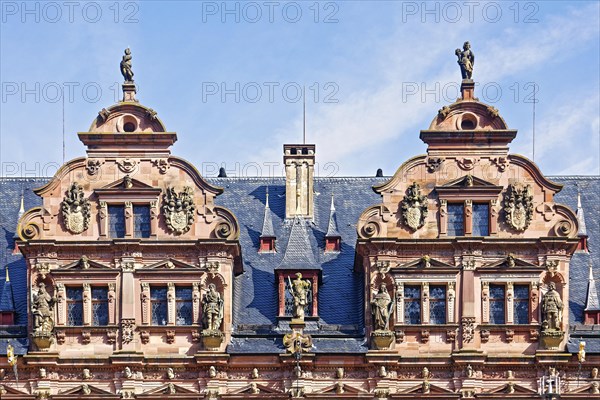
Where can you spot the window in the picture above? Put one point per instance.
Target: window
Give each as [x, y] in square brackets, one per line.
[412, 304]
[183, 303]
[158, 300]
[497, 307]
[289, 300]
[481, 219]
[437, 304]
[141, 221]
[521, 304]
[99, 306]
[116, 221]
[456, 219]
[74, 306]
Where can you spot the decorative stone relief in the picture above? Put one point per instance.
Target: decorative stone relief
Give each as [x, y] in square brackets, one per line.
[434, 164]
[443, 112]
[86, 336]
[145, 337]
[93, 166]
[179, 209]
[450, 335]
[518, 206]
[468, 329]
[546, 210]
[170, 336]
[43, 269]
[466, 163]
[510, 335]
[111, 336]
[297, 343]
[162, 165]
[501, 162]
[485, 335]
[127, 165]
[425, 335]
[414, 207]
[87, 375]
[127, 330]
[75, 210]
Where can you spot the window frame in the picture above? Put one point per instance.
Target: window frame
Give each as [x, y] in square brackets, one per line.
[509, 301]
[70, 302]
[447, 281]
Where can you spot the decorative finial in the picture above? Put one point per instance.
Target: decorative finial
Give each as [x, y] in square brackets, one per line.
[7, 277]
[332, 205]
[267, 198]
[466, 60]
[126, 70]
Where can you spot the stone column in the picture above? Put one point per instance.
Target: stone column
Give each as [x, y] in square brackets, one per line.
[425, 303]
[171, 306]
[128, 304]
[451, 295]
[87, 304]
[400, 302]
[510, 294]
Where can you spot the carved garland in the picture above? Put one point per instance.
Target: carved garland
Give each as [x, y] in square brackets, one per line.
[179, 209]
[518, 206]
[414, 207]
[76, 210]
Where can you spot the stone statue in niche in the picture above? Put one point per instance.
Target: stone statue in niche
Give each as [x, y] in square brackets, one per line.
[179, 209]
[299, 291]
[552, 307]
[518, 207]
[381, 307]
[75, 210]
[126, 70]
[41, 306]
[212, 309]
[466, 60]
[414, 207]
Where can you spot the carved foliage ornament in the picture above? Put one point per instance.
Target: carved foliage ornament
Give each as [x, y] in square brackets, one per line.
[75, 210]
[414, 207]
[179, 209]
[518, 206]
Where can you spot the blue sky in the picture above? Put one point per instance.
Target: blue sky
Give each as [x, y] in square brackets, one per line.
[225, 77]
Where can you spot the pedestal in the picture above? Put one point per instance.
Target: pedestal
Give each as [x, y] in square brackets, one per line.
[382, 340]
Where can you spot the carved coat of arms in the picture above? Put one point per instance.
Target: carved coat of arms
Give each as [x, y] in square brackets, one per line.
[414, 207]
[518, 206]
[179, 209]
[75, 209]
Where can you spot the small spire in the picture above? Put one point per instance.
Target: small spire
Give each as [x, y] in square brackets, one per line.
[580, 217]
[592, 303]
[7, 276]
[332, 228]
[267, 228]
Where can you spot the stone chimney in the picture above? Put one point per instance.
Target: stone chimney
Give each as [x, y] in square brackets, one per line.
[299, 160]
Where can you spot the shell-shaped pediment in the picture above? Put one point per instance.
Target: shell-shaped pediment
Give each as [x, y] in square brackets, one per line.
[127, 118]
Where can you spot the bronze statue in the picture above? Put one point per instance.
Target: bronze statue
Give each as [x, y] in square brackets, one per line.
[126, 70]
[299, 291]
[212, 309]
[552, 307]
[381, 308]
[466, 60]
[42, 310]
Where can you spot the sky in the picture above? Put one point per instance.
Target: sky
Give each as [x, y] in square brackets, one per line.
[228, 77]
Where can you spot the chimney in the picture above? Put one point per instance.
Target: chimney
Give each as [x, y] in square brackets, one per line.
[299, 160]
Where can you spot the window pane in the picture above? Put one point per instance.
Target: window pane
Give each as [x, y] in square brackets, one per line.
[99, 306]
[74, 306]
[116, 221]
[289, 300]
[437, 304]
[456, 220]
[521, 304]
[481, 219]
[141, 221]
[183, 299]
[497, 311]
[158, 299]
[412, 304]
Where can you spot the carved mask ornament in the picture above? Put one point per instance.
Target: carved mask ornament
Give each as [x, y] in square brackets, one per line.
[414, 207]
[75, 210]
[518, 206]
[179, 209]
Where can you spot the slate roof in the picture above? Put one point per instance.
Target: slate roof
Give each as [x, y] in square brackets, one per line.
[298, 251]
[7, 302]
[267, 228]
[339, 327]
[332, 229]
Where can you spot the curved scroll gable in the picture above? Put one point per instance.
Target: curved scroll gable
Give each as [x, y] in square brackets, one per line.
[372, 223]
[114, 119]
[195, 175]
[397, 179]
[535, 172]
[226, 225]
[30, 225]
[480, 115]
[566, 224]
[58, 177]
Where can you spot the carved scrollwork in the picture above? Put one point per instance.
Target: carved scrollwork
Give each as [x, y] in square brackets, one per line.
[223, 230]
[414, 207]
[468, 329]
[370, 229]
[518, 206]
[30, 231]
[76, 210]
[162, 165]
[127, 330]
[179, 209]
[564, 228]
[127, 165]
